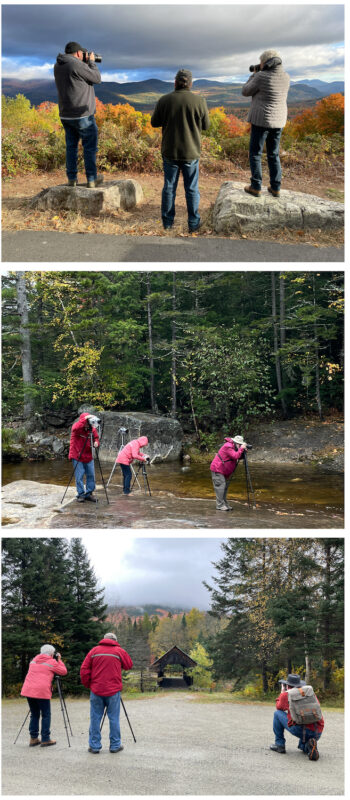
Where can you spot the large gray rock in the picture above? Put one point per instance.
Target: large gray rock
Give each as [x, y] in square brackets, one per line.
[126, 194]
[235, 211]
[164, 434]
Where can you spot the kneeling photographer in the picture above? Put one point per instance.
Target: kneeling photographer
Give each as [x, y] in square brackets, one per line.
[223, 466]
[37, 688]
[127, 455]
[84, 436]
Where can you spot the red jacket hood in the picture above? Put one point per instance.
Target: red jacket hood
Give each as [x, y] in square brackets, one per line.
[229, 439]
[83, 417]
[112, 642]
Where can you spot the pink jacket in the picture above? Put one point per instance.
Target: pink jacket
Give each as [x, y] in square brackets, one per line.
[227, 458]
[38, 680]
[132, 450]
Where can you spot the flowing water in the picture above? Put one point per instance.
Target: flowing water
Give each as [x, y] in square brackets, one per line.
[293, 488]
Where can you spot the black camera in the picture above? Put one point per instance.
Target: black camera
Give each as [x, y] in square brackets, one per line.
[249, 446]
[87, 54]
[252, 68]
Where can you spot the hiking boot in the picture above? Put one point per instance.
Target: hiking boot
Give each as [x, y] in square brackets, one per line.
[278, 748]
[72, 182]
[34, 742]
[97, 182]
[95, 752]
[48, 744]
[118, 749]
[167, 227]
[274, 192]
[311, 750]
[226, 508]
[91, 499]
[251, 190]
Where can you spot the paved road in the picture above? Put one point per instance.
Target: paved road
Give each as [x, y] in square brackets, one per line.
[51, 246]
[183, 748]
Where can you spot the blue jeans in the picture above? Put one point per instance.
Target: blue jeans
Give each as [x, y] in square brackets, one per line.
[81, 469]
[126, 470]
[36, 707]
[97, 706]
[85, 129]
[190, 172]
[280, 724]
[258, 136]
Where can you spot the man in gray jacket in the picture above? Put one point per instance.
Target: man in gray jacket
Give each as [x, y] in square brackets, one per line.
[268, 88]
[75, 73]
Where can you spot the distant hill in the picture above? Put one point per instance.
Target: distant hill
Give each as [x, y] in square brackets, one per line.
[143, 95]
[116, 613]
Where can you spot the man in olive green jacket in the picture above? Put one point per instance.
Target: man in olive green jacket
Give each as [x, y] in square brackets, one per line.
[182, 115]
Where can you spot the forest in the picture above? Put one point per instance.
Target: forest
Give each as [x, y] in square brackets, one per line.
[33, 138]
[214, 349]
[276, 606]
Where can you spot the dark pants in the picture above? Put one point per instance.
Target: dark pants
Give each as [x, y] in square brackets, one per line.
[190, 172]
[258, 136]
[280, 724]
[126, 470]
[85, 129]
[36, 706]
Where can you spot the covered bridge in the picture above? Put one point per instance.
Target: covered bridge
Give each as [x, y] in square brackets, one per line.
[174, 656]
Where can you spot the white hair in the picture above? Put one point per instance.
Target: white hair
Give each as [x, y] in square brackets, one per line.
[269, 54]
[47, 649]
[110, 636]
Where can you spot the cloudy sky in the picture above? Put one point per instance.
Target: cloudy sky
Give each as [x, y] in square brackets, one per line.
[153, 41]
[153, 570]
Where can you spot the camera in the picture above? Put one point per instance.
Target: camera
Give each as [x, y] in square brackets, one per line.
[249, 446]
[123, 430]
[87, 54]
[252, 68]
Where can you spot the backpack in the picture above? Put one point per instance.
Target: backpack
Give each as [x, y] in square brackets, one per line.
[303, 705]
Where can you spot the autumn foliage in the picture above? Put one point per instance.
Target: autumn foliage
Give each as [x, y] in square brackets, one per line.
[326, 117]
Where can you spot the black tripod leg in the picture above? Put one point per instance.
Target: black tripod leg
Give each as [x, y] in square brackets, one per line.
[65, 708]
[133, 736]
[103, 718]
[73, 473]
[102, 478]
[246, 478]
[22, 727]
[62, 708]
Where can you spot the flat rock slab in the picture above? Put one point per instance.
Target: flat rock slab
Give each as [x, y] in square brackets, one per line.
[125, 194]
[236, 211]
[29, 504]
[183, 747]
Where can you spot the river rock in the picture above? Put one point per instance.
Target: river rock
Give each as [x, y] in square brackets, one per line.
[47, 441]
[58, 446]
[235, 211]
[164, 434]
[125, 194]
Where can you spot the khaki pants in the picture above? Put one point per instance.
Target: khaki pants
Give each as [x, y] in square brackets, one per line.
[220, 484]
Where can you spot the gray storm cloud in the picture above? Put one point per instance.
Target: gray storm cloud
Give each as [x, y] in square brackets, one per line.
[211, 40]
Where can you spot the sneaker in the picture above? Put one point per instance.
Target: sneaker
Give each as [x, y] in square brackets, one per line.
[274, 192]
[72, 182]
[194, 230]
[167, 227]
[278, 748]
[118, 749]
[95, 183]
[80, 499]
[90, 750]
[254, 192]
[48, 744]
[34, 742]
[311, 750]
[225, 508]
[91, 498]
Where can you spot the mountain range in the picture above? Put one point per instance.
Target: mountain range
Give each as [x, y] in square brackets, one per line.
[143, 95]
[115, 614]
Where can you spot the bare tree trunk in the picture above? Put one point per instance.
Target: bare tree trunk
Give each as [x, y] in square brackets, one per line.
[317, 364]
[150, 343]
[275, 343]
[173, 351]
[26, 356]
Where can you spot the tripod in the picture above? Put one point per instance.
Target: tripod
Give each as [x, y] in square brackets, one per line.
[63, 709]
[94, 455]
[105, 713]
[64, 713]
[145, 478]
[122, 433]
[248, 481]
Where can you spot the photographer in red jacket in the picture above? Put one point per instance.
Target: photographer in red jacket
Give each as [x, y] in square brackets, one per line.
[307, 734]
[80, 452]
[101, 672]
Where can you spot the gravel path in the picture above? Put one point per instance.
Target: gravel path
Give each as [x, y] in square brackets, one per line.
[183, 748]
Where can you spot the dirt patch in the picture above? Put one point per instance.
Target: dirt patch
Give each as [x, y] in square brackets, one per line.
[145, 220]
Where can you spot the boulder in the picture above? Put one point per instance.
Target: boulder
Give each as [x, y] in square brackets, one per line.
[235, 211]
[58, 447]
[164, 434]
[125, 194]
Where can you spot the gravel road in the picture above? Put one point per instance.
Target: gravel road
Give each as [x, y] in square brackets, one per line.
[183, 748]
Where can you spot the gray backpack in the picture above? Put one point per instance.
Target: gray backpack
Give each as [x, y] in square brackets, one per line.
[303, 705]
